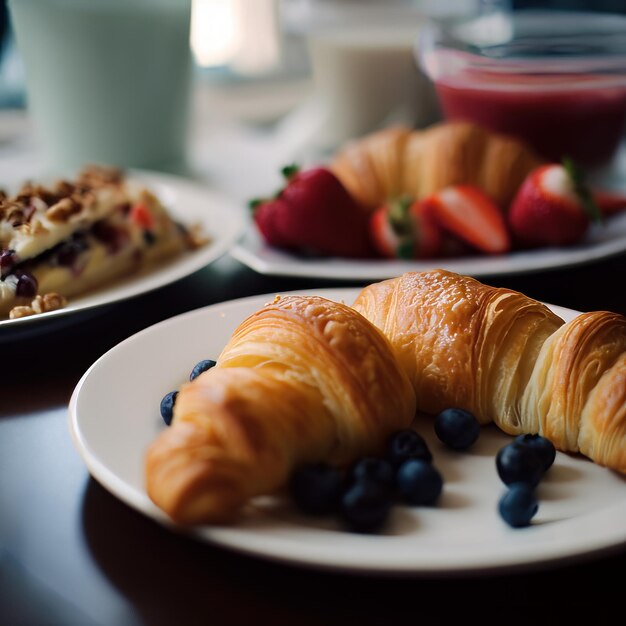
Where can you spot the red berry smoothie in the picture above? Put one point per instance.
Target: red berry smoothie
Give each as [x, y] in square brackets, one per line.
[582, 119]
[554, 79]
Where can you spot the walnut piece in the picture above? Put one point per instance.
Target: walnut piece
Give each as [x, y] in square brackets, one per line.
[41, 304]
[95, 176]
[59, 201]
[195, 236]
[12, 212]
[48, 302]
[20, 311]
[63, 210]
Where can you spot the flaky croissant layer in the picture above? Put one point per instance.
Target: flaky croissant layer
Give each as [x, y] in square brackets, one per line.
[303, 379]
[400, 161]
[508, 359]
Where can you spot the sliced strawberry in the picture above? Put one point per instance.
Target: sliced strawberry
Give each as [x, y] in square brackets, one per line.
[385, 239]
[403, 229]
[453, 247]
[469, 214]
[428, 234]
[141, 215]
[609, 203]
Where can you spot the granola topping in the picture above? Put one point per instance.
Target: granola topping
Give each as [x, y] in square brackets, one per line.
[40, 304]
[64, 209]
[196, 237]
[37, 217]
[30, 197]
[72, 236]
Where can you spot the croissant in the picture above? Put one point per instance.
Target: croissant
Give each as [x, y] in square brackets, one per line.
[397, 161]
[508, 359]
[301, 380]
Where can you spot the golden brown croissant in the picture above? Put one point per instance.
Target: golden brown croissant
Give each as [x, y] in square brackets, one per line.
[398, 161]
[303, 379]
[508, 359]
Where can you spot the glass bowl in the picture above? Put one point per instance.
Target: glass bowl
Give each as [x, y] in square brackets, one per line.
[556, 80]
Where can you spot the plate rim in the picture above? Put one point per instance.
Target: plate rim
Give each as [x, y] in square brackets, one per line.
[249, 251]
[230, 537]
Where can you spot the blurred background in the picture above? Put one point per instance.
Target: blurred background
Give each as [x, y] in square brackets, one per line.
[313, 73]
[246, 41]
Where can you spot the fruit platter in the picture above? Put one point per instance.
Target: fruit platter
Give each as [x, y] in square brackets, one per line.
[453, 196]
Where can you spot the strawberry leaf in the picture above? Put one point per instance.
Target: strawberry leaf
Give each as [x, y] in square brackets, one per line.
[583, 192]
[399, 217]
[405, 250]
[289, 171]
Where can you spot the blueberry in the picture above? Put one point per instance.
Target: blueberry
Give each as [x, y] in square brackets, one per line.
[418, 482]
[200, 367]
[407, 444]
[540, 446]
[167, 406]
[518, 505]
[457, 428]
[67, 254]
[316, 488]
[8, 259]
[26, 285]
[109, 235]
[365, 506]
[373, 469]
[149, 237]
[517, 463]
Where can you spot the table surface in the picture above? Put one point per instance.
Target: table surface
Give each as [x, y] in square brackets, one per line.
[71, 553]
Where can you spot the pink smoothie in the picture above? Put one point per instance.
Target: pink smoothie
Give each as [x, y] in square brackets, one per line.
[582, 121]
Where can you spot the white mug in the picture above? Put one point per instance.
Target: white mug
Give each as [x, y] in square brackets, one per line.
[365, 74]
[367, 78]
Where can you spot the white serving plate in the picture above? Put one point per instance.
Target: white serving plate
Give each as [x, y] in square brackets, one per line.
[114, 415]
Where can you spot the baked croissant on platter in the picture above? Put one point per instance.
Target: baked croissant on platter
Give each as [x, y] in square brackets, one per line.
[301, 380]
[508, 359]
[398, 161]
[305, 379]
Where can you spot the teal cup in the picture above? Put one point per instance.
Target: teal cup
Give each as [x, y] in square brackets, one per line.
[107, 81]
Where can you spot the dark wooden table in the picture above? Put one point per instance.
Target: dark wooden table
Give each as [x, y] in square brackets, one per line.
[71, 553]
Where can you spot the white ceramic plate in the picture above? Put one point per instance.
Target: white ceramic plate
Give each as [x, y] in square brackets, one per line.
[601, 243]
[222, 219]
[114, 415]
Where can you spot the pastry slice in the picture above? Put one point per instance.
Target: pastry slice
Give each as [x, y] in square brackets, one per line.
[67, 239]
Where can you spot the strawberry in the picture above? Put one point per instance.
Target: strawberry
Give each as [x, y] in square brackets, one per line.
[553, 207]
[314, 213]
[404, 229]
[469, 214]
[609, 203]
[267, 216]
[141, 215]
